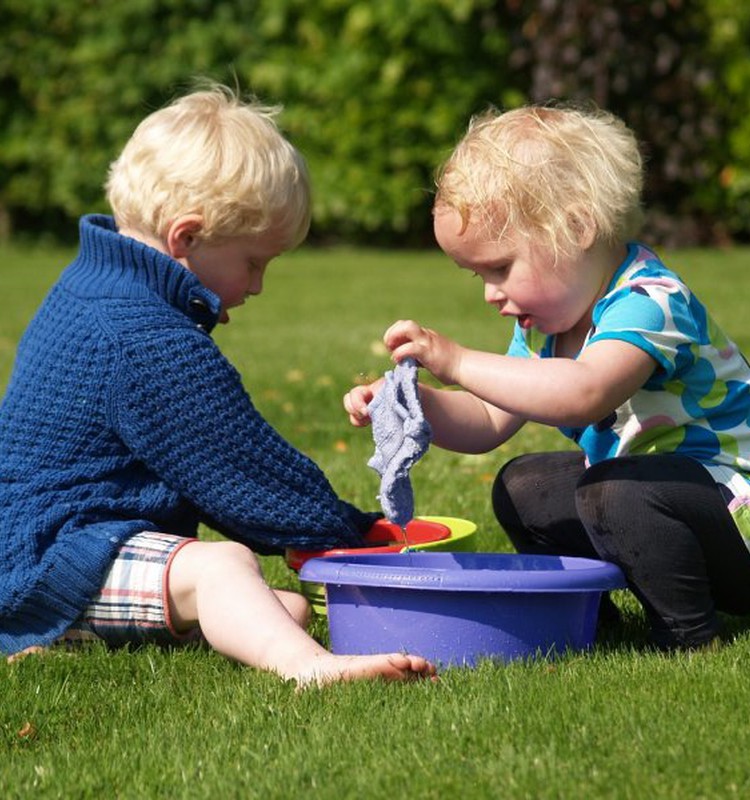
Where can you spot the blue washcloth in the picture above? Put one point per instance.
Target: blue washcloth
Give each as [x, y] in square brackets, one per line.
[402, 436]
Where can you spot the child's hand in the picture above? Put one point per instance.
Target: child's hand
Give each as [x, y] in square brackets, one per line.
[436, 353]
[357, 400]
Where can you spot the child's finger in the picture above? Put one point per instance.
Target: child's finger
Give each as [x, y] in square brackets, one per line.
[391, 330]
[405, 330]
[404, 351]
[355, 404]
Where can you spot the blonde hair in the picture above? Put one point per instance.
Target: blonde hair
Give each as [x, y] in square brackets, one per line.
[547, 173]
[211, 153]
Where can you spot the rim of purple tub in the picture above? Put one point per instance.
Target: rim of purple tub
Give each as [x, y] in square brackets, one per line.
[467, 572]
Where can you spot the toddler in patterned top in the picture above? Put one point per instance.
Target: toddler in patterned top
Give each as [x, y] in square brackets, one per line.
[124, 427]
[610, 346]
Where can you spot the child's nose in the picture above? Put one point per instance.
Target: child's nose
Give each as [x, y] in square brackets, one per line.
[255, 285]
[492, 293]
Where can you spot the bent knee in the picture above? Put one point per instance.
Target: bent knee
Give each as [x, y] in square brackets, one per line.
[511, 483]
[523, 480]
[234, 553]
[210, 556]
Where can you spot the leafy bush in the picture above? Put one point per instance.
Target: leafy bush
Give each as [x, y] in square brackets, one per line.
[730, 33]
[376, 93]
[648, 63]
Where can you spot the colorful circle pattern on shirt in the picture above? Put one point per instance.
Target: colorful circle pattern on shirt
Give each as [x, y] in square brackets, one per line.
[697, 401]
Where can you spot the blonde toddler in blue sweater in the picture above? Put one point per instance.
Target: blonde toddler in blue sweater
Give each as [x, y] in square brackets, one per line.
[124, 427]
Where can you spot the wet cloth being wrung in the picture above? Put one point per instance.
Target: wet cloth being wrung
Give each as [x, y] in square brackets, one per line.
[402, 435]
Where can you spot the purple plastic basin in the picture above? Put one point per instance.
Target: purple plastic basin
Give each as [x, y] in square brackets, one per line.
[455, 608]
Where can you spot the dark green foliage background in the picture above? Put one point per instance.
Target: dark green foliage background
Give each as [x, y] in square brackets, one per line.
[376, 92]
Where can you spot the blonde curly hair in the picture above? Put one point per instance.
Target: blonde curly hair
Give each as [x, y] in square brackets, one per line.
[213, 154]
[546, 173]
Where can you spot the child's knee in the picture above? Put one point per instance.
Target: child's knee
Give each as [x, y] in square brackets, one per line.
[516, 487]
[200, 561]
[231, 554]
[200, 566]
[504, 489]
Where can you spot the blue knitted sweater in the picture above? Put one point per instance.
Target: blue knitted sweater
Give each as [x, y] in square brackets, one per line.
[122, 415]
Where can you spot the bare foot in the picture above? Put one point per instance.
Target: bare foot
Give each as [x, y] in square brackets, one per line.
[29, 651]
[330, 668]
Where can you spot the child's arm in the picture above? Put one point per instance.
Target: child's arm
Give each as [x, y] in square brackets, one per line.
[463, 422]
[180, 408]
[559, 391]
[554, 391]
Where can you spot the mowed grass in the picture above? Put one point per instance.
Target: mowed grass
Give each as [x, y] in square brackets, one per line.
[619, 722]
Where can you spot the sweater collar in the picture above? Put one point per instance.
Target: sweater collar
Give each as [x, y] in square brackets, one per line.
[114, 265]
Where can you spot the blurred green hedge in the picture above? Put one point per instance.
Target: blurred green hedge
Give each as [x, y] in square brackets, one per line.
[375, 93]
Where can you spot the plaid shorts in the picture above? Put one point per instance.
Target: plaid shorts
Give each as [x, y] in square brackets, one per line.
[132, 606]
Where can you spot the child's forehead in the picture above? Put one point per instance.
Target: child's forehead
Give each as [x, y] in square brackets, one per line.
[470, 240]
[268, 243]
[475, 224]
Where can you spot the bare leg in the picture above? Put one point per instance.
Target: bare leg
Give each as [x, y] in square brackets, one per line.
[296, 605]
[219, 586]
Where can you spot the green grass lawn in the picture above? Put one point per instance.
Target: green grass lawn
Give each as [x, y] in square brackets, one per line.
[619, 722]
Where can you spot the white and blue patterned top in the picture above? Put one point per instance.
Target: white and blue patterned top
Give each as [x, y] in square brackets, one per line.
[696, 402]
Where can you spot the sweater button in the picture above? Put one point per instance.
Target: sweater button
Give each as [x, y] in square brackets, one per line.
[198, 305]
[202, 328]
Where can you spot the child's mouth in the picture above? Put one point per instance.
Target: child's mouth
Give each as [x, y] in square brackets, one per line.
[524, 321]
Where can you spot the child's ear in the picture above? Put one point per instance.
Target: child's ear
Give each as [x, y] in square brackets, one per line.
[582, 226]
[183, 235]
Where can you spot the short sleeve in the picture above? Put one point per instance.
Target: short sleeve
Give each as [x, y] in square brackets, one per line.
[660, 316]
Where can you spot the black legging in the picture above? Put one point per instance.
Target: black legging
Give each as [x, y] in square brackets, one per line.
[661, 518]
